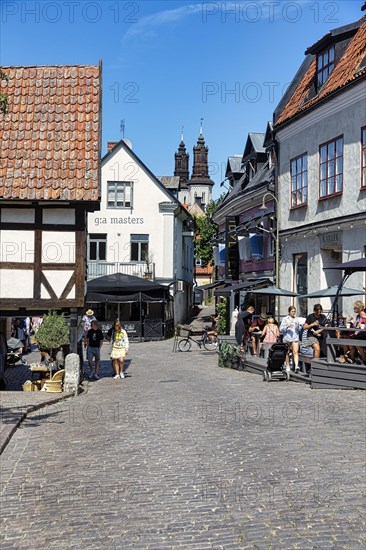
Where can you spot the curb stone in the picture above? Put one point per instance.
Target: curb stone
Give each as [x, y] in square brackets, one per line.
[7, 431]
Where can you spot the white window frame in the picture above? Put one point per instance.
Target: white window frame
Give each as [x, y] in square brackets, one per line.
[116, 187]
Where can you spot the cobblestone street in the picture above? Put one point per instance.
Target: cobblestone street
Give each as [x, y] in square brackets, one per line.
[183, 454]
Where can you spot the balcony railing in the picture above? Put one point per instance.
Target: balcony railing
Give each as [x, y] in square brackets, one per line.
[137, 269]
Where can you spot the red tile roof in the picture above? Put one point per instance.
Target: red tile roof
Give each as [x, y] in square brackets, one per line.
[344, 72]
[50, 137]
[208, 270]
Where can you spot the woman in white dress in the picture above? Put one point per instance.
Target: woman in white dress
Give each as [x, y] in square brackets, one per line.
[120, 345]
[290, 328]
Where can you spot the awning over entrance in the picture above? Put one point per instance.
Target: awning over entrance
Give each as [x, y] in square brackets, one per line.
[120, 288]
[144, 307]
[97, 297]
[244, 286]
[215, 284]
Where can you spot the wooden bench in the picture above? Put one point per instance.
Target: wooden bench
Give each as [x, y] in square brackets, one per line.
[333, 343]
[337, 376]
[328, 373]
[305, 360]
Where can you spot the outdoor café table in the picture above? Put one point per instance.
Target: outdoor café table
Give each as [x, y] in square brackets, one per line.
[43, 370]
[342, 329]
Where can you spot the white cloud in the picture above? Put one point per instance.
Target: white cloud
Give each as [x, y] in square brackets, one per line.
[146, 26]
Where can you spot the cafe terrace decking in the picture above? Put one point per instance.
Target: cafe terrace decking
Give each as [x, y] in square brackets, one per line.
[324, 373]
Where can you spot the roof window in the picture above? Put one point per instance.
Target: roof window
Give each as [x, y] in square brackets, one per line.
[325, 65]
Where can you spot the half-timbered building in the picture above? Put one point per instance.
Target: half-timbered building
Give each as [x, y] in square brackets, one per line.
[49, 181]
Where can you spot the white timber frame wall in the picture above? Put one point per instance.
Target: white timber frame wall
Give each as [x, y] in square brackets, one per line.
[38, 267]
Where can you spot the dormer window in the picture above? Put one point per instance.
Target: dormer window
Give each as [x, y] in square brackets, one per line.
[325, 65]
[252, 169]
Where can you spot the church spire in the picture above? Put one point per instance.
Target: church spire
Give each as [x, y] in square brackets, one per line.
[201, 139]
[200, 162]
[182, 162]
[200, 185]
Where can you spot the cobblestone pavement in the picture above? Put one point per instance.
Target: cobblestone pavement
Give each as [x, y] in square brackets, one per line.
[183, 454]
[15, 406]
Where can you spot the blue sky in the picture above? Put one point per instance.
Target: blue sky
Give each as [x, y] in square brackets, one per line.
[169, 63]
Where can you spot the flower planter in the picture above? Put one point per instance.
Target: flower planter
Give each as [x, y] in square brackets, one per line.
[230, 357]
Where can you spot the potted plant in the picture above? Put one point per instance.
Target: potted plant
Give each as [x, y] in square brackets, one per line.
[230, 356]
[52, 334]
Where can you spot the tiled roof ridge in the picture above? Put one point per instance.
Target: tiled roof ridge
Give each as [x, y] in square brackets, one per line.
[336, 32]
[44, 66]
[344, 72]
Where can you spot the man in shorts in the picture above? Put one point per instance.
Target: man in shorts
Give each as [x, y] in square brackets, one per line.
[94, 339]
[314, 324]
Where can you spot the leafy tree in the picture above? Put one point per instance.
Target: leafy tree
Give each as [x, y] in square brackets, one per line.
[3, 98]
[205, 231]
[53, 333]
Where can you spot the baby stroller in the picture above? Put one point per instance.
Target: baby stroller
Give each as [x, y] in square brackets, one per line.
[276, 364]
[14, 354]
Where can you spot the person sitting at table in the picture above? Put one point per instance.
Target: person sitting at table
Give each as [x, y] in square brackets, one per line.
[255, 331]
[358, 307]
[270, 335]
[361, 335]
[314, 324]
[350, 352]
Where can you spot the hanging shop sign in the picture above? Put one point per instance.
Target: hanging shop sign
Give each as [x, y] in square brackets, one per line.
[331, 241]
[232, 249]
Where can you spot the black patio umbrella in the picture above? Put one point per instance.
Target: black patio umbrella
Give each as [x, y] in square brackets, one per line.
[333, 291]
[348, 268]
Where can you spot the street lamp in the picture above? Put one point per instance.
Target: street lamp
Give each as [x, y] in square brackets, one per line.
[277, 242]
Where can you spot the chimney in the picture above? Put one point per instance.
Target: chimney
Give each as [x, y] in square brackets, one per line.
[110, 145]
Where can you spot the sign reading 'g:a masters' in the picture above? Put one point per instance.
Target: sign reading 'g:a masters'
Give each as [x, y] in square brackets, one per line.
[118, 221]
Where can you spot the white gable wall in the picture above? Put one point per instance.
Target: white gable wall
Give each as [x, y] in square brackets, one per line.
[153, 212]
[144, 217]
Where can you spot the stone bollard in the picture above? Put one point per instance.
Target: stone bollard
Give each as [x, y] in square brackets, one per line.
[72, 373]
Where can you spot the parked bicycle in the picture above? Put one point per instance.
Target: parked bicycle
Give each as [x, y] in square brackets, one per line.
[208, 340]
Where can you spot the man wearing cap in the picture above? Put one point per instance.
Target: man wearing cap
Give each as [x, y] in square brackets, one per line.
[86, 323]
[255, 331]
